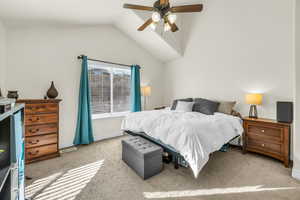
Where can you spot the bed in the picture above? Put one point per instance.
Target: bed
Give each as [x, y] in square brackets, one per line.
[192, 136]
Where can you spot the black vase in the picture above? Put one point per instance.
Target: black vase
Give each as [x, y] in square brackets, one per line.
[52, 93]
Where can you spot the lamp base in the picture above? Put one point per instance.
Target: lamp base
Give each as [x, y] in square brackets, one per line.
[253, 112]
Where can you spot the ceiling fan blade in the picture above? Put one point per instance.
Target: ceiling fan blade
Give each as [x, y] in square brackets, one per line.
[174, 28]
[187, 8]
[137, 7]
[147, 23]
[163, 2]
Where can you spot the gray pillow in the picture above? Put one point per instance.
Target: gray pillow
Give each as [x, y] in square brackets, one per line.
[205, 106]
[184, 106]
[176, 100]
[226, 107]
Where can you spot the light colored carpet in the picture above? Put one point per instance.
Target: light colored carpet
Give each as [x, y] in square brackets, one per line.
[230, 175]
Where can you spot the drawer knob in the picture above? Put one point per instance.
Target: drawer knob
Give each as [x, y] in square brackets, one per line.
[262, 130]
[34, 142]
[262, 145]
[34, 119]
[34, 130]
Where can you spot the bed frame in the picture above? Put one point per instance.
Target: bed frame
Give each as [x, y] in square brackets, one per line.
[177, 158]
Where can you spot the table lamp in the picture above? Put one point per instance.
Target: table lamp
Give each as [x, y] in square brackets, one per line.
[253, 100]
[146, 92]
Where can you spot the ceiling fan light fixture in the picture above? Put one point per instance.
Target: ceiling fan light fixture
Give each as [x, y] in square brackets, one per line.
[172, 18]
[156, 17]
[167, 27]
[153, 25]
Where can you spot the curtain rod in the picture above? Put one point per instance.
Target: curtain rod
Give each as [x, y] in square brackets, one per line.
[81, 56]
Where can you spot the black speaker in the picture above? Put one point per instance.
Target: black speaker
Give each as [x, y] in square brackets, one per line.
[285, 112]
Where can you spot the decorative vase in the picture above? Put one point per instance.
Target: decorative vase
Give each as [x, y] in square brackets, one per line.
[52, 93]
[13, 94]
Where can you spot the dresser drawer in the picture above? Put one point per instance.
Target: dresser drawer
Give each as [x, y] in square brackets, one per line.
[40, 129]
[263, 131]
[40, 140]
[264, 145]
[40, 151]
[41, 108]
[40, 119]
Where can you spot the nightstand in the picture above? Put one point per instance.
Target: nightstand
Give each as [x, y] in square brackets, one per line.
[268, 137]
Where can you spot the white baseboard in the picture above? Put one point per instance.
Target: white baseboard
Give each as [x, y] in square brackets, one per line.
[296, 173]
[108, 136]
[68, 149]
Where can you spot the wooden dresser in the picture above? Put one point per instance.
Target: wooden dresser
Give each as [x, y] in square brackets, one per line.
[267, 137]
[41, 129]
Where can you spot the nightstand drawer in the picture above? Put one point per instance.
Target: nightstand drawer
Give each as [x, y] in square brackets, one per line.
[273, 132]
[264, 146]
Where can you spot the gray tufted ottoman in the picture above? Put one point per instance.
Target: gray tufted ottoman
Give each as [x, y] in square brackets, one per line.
[144, 157]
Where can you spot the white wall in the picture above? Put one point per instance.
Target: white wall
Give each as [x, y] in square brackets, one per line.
[296, 149]
[38, 55]
[234, 47]
[2, 57]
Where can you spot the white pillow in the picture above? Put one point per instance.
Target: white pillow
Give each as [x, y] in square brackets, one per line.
[184, 106]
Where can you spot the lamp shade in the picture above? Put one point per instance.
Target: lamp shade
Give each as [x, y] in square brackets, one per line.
[254, 99]
[146, 91]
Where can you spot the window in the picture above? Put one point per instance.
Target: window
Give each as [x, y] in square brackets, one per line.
[110, 89]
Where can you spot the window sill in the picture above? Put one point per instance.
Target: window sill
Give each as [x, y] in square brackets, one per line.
[109, 115]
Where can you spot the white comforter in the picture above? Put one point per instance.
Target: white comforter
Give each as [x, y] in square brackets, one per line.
[192, 134]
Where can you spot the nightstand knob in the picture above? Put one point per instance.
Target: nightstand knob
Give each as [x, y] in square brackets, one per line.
[263, 131]
[262, 145]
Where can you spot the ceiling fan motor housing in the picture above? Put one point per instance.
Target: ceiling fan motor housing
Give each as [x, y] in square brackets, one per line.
[162, 9]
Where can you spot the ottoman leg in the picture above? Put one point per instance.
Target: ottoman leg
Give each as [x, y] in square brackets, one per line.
[176, 165]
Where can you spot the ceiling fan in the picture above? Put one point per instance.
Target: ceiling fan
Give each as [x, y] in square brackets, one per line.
[162, 11]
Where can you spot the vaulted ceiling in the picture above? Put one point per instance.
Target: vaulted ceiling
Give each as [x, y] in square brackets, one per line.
[164, 46]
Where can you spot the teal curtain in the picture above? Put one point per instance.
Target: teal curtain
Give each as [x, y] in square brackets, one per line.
[84, 129]
[135, 89]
